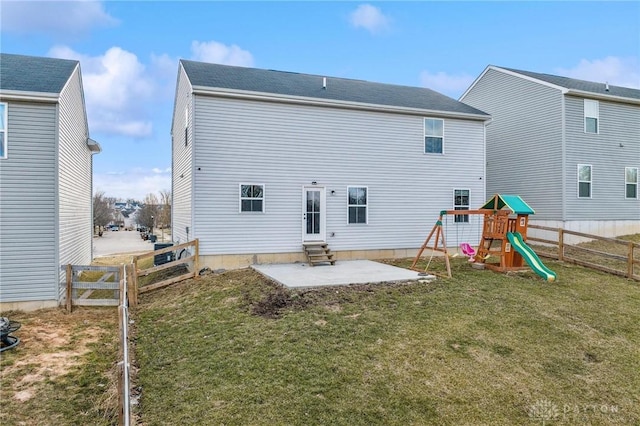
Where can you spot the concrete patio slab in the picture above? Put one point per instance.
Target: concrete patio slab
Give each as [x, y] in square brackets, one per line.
[301, 275]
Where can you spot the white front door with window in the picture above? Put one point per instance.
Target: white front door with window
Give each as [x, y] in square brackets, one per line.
[313, 213]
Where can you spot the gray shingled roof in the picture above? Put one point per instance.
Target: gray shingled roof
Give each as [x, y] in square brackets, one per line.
[582, 85]
[310, 86]
[34, 74]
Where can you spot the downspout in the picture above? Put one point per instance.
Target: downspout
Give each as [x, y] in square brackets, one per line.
[94, 148]
[563, 166]
[484, 156]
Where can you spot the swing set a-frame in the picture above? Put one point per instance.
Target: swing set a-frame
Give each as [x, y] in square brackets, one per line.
[439, 243]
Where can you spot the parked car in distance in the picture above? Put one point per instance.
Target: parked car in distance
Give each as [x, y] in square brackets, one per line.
[114, 228]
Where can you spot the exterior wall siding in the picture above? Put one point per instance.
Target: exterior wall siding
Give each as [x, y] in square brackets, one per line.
[74, 179]
[287, 146]
[524, 140]
[182, 166]
[28, 262]
[619, 124]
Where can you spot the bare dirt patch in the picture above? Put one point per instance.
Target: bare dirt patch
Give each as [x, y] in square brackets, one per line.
[50, 346]
[54, 348]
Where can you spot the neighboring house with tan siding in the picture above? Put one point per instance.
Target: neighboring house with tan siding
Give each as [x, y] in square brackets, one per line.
[571, 148]
[264, 161]
[45, 179]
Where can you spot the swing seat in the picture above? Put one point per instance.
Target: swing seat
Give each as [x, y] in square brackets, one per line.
[467, 250]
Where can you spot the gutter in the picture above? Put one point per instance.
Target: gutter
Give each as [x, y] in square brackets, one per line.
[602, 96]
[18, 95]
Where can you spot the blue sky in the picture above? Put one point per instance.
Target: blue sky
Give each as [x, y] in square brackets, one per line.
[129, 52]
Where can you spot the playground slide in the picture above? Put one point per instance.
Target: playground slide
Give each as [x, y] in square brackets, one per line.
[530, 256]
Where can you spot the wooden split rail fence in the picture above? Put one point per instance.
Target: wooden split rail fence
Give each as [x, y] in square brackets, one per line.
[122, 283]
[623, 254]
[186, 253]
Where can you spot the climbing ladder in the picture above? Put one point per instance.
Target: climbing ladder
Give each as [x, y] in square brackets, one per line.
[318, 253]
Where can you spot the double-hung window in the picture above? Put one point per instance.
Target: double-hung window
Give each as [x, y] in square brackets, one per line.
[357, 204]
[591, 116]
[251, 198]
[461, 202]
[3, 130]
[584, 180]
[433, 136]
[631, 182]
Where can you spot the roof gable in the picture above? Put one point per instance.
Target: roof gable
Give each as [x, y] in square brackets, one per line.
[283, 83]
[513, 202]
[34, 74]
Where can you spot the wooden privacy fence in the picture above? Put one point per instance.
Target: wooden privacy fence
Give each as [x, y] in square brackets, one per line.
[620, 258]
[78, 292]
[186, 253]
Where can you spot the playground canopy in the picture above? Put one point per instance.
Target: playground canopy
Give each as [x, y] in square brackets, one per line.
[512, 202]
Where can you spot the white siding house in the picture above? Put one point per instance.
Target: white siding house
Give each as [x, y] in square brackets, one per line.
[45, 179]
[570, 147]
[264, 161]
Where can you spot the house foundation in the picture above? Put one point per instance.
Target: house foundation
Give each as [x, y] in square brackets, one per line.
[237, 261]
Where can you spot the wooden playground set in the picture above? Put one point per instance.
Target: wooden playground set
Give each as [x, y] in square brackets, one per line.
[501, 248]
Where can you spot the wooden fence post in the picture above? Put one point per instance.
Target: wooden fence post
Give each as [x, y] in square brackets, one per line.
[69, 287]
[561, 244]
[630, 261]
[131, 289]
[196, 266]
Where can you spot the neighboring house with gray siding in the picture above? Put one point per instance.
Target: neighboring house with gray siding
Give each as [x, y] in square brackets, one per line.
[45, 179]
[571, 148]
[264, 161]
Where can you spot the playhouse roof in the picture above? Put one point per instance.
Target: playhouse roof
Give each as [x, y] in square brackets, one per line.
[512, 202]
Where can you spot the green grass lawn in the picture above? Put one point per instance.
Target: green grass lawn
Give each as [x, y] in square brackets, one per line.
[481, 348]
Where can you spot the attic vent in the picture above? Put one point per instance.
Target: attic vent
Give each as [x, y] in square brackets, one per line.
[324, 83]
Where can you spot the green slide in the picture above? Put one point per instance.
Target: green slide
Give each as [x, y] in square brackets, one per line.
[530, 256]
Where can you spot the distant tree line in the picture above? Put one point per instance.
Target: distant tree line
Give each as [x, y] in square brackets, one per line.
[154, 211]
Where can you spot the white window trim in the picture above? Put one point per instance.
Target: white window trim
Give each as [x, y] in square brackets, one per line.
[264, 201]
[366, 218]
[5, 138]
[467, 222]
[636, 183]
[597, 116]
[579, 181]
[424, 135]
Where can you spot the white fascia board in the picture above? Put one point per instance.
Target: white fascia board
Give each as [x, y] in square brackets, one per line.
[602, 96]
[19, 95]
[301, 100]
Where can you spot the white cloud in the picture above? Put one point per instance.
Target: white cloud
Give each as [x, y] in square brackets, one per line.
[218, 53]
[118, 90]
[447, 84]
[614, 70]
[60, 18]
[135, 183]
[370, 18]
